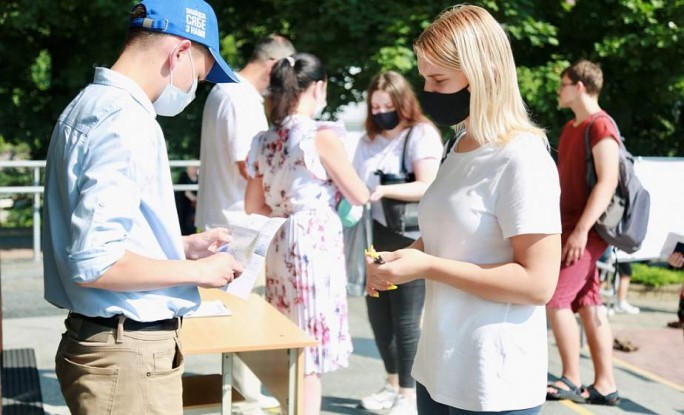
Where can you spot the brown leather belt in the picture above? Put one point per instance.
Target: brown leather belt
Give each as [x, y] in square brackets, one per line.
[131, 325]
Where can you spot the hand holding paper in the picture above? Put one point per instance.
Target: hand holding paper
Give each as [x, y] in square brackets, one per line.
[251, 238]
[674, 242]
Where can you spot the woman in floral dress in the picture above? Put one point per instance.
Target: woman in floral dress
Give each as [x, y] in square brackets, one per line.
[299, 170]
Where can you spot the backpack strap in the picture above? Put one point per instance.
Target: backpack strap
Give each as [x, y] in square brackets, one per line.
[588, 155]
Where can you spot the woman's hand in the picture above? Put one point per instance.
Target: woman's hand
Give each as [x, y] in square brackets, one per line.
[377, 193]
[399, 267]
[201, 245]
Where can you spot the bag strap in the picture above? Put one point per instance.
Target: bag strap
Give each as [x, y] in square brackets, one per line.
[403, 152]
[588, 155]
[450, 144]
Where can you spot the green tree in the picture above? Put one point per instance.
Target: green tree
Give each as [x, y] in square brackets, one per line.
[50, 47]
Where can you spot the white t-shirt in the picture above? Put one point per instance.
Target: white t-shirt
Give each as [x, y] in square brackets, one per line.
[233, 115]
[475, 354]
[385, 154]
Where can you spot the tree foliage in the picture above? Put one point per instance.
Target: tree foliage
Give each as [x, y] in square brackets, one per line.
[49, 48]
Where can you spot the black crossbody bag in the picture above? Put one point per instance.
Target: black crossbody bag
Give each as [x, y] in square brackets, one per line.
[401, 216]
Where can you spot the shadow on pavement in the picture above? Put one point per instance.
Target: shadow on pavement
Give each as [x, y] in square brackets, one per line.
[365, 347]
[630, 406]
[337, 405]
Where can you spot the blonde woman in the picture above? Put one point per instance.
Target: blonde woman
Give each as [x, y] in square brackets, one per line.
[490, 230]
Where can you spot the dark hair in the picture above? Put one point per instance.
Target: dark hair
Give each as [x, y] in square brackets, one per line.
[589, 73]
[402, 96]
[139, 34]
[271, 47]
[289, 78]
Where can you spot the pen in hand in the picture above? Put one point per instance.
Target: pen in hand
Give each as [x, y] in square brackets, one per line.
[372, 254]
[377, 258]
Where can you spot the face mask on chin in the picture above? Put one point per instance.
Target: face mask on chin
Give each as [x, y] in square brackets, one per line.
[446, 109]
[173, 100]
[386, 120]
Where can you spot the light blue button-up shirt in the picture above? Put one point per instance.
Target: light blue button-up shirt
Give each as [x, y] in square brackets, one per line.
[108, 190]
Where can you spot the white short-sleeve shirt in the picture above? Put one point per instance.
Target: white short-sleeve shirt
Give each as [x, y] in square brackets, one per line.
[475, 354]
[385, 154]
[233, 115]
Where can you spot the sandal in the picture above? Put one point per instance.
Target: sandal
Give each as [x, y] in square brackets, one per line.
[596, 398]
[574, 393]
[676, 324]
[624, 345]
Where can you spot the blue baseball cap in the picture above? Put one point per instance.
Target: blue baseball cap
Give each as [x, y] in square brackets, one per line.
[194, 20]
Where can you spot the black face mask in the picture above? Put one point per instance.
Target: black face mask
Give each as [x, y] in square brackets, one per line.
[386, 120]
[446, 109]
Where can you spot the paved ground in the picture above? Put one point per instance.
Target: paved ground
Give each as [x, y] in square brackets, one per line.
[651, 380]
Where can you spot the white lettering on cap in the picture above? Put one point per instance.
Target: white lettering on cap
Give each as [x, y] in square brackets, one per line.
[195, 22]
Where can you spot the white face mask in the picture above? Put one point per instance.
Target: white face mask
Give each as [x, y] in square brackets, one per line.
[173, 100]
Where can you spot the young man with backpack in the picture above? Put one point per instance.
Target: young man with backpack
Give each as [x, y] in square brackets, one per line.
[578, 288]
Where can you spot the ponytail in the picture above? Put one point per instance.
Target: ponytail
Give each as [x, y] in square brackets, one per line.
[290, 77]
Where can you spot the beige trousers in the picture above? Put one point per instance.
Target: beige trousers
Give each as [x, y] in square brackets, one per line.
[140, 374]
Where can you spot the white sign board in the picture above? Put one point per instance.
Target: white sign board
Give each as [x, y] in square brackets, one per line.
[663, 177]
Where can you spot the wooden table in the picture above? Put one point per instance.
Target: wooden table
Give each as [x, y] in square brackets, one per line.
[268, 342]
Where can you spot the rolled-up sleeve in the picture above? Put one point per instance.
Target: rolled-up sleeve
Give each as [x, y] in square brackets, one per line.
[109, 180]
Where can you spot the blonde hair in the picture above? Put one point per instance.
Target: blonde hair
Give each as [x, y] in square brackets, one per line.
[467, 38]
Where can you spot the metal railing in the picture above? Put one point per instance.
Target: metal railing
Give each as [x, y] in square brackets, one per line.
[37, 189]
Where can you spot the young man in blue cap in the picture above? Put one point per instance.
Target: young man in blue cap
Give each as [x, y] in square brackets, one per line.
[113, 252]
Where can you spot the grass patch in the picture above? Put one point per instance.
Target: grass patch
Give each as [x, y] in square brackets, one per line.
[655, 276]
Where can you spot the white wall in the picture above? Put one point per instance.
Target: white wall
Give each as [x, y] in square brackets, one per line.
[663, 177]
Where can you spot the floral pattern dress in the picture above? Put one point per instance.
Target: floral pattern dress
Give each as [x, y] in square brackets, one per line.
[305, 267]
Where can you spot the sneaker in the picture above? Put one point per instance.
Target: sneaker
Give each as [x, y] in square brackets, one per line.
[607, 292]
[626, 308]
[676, 324]
[247, 408]
[268, 402]
[255, 407]
[403, 406]
[383, 399]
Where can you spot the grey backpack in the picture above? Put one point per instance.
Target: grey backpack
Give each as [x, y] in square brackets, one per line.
[625, 221]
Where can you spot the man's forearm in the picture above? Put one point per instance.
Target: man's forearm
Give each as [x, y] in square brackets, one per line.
[598, 201]
[134, 272]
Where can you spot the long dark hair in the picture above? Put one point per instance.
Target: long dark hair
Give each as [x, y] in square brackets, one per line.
[289, 78]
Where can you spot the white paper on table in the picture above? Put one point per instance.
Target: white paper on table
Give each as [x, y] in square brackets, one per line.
[210, 309]
[251, 237]
[670, 244]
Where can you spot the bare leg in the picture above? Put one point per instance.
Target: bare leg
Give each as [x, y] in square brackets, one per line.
[623, 287]
[312, 394]
[567, 335]
[393, 380]
[600, 341]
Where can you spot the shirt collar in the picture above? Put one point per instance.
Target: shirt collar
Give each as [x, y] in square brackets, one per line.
[105, 76]
[250, 86]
